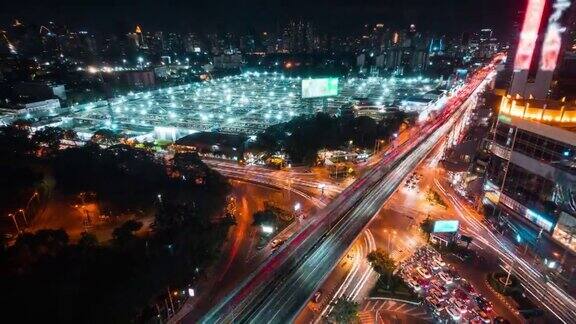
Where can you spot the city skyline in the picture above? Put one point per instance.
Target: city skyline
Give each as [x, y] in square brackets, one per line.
[342, 17]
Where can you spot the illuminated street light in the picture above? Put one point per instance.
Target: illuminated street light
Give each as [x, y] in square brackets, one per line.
[15, 222]
[23, 215]
[321, 187]
[297, 206]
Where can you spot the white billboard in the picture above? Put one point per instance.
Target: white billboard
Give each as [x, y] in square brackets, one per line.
[445, 226]
[317, 88]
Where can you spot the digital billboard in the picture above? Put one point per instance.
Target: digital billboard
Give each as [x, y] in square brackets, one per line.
[317, 88]
[445, 226]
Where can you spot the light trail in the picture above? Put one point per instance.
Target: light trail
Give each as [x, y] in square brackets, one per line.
[557, 301]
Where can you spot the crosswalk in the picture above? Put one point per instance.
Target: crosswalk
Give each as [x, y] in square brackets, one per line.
[373, 311]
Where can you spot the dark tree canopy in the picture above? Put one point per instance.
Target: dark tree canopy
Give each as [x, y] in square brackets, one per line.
[117, 281]
[304, 136]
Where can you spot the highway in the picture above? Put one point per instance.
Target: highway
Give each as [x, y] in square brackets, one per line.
[284, 302]
[277, 290]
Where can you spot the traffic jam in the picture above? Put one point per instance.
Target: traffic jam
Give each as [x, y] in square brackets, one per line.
[446, 295]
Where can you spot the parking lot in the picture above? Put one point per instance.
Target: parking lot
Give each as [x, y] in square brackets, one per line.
[446, 295]
[245, 103]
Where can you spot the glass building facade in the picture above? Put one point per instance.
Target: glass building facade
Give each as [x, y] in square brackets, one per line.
[532, 175]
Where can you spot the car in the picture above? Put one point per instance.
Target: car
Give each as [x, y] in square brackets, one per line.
[500, 320]
[466, 286]
[453, 312]
[276, 243]
[461, 306]
[438, 259]
[435, 304]
[483, 304]
[425, 283]
[425, 273]
[460, 295]
[441, 289]
[413, 284]
[436, 294]
[446, 277]
[484, 317]
[453, 273]
[475, 320]
[317, 296]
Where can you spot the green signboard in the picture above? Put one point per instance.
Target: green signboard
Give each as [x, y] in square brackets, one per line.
[445, 226]
[317, 88]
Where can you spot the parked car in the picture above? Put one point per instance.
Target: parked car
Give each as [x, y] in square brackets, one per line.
[454, 313]
[425, 273]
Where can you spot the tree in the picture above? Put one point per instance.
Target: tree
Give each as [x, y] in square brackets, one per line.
[87, 241]
[381, 262]
[265, 217]
[124, 234]
[49, 138]
[344, 311]
[427, 226]
[466, 239]
[105, 137]
[15, 144]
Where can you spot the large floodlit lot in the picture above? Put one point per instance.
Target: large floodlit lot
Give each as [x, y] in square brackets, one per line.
[246, 103]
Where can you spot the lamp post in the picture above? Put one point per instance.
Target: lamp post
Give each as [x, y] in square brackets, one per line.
[35, 195]
[24, 215]
[15, 222]
[321, 187]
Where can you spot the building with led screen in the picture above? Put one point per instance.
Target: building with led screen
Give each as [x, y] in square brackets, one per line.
[531, 177]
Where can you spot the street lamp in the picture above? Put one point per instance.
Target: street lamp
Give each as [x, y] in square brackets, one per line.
[15, 222]
[23, 215]
[297, 207]
[321, 187]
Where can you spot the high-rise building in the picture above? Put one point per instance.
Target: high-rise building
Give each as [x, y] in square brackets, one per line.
[137, 38]
[532, 173]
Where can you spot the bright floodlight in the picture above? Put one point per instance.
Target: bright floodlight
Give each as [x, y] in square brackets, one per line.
[267, 229]
[297, 206]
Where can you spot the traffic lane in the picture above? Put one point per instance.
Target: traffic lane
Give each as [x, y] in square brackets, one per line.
[546, 294]
[368, 207]
[476, 274]
[240, 250]
[303, 278]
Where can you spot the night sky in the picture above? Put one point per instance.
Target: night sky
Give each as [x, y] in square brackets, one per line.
[206, 15]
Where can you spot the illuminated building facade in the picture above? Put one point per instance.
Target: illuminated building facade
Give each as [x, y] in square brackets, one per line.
[532, 172]
[551, 44]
